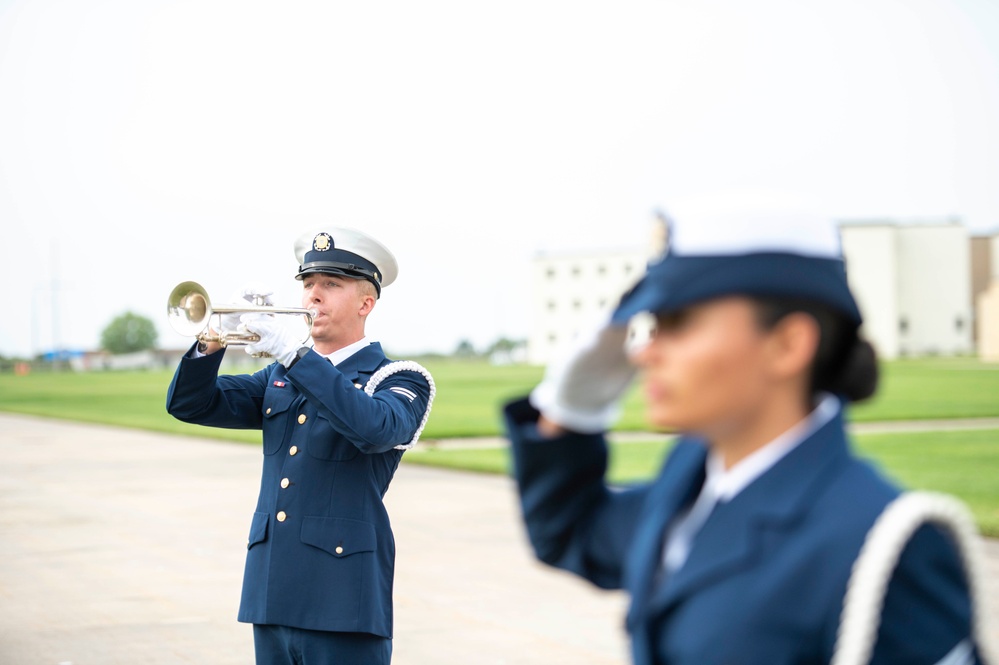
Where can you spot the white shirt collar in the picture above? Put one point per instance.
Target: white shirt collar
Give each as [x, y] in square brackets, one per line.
[726, 484]
[721, 485]
[340, 355]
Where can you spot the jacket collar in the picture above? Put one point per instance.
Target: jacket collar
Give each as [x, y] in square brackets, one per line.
[364, 363]
[729, 538]
[677, 486]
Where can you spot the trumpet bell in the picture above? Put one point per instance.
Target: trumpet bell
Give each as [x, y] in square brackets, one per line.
[188, 308]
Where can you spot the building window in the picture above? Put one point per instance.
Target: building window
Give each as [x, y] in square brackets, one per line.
[628, 268]
[575, 271]
[552, 338]
[959, 324]
[551, 305]
[601, 270]
[903, 325]
[577, 305]
[550, 273]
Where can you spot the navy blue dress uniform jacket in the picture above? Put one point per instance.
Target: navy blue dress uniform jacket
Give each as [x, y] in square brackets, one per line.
[321, 553]
[766, 576]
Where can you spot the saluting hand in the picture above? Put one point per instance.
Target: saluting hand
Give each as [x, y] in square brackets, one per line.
[581, 392]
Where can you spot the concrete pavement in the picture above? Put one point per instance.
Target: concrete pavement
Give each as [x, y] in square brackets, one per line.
[122, 546]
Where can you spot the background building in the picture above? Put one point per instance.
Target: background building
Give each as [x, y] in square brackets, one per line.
[919, 284]
[913, 284]
[571, 291]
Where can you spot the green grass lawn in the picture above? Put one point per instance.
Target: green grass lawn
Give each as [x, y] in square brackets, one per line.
[962, 463]
[127, 399]
[470, 394]
[932, 389]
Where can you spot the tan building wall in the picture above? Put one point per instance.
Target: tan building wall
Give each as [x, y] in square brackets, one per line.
[981, 264]
[985, 275]
[988, 323]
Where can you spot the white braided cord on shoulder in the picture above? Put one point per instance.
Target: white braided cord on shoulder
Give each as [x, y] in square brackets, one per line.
[395, 368]
[873, 569]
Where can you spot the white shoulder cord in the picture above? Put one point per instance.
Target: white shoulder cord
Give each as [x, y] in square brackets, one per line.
[865, 594]
[404, 366]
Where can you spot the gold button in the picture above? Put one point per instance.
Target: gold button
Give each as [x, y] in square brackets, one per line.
[301, 419]
[293, 450]
[281, 516]
[358, 385]
[339, 550]
[268, 410]
[284, 483]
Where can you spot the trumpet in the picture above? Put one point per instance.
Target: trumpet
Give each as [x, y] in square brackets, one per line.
[189, 311]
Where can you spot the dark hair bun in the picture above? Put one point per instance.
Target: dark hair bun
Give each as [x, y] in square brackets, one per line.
[857, 375]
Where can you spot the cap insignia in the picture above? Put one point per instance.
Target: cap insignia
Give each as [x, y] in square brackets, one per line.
[322, 242]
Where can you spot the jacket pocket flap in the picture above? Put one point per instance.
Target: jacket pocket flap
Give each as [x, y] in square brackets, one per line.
[338, 536]
[277, 402]
[258, 529]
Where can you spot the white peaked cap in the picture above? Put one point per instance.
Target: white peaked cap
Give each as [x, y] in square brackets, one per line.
[747, 221]
[342, 250]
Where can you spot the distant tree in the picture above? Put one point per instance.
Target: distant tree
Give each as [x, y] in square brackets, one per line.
[464, 349]
[128, 333]
[504, 345]
[504, 350]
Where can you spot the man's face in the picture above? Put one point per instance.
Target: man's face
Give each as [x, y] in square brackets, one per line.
[341, 303]
[706, 368]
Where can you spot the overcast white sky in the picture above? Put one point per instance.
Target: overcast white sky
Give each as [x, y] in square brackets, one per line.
[147, 143]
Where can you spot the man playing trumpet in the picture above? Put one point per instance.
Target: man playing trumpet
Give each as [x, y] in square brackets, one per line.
[336, 416]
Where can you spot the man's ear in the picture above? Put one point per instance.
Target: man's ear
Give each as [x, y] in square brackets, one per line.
[794, 343]
[367, 304]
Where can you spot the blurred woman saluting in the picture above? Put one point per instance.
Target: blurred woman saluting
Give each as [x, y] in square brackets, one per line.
[741, 549]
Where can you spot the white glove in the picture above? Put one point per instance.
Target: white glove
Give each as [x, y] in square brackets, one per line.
[582, 391]
[280, 336]
[255, 294]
